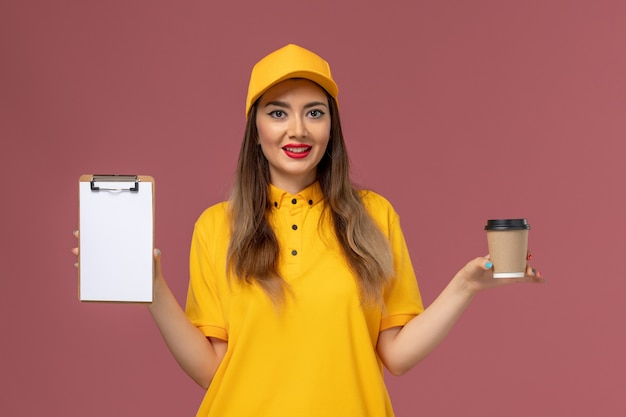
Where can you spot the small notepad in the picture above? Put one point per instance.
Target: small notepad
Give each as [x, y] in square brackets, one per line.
[116, 238]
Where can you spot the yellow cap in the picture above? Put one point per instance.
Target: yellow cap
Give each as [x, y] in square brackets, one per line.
[291, 61]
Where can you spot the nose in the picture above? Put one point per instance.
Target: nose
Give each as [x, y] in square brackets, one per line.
[297, 127]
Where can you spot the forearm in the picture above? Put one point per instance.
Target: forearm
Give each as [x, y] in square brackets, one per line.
[195, 354]
[402, 348]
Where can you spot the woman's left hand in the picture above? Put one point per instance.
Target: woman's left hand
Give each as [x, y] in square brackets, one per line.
[477, 275]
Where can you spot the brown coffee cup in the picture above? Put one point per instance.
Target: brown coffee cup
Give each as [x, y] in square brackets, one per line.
[508, 246]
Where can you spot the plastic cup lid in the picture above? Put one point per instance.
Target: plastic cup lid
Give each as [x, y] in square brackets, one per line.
[507, 224]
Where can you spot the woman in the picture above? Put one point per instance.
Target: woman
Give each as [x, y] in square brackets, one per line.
[301, 287]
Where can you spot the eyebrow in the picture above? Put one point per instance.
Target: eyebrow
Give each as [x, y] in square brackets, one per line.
[287, 106]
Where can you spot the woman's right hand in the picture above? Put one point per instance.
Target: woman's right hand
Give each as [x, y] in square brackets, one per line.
[158, 271]
[75, 250]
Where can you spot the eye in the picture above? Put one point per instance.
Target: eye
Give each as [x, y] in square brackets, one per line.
[277, 114]
[316, 114]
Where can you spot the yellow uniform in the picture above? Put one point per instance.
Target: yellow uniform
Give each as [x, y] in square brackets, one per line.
[317, 356]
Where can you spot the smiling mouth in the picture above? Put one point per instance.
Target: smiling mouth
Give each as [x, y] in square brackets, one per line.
[297, 152]
[297, 149]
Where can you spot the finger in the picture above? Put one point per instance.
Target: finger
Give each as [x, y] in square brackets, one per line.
[157, 262]
[532, 272]
[482, 263]
[75, 250]
[534, 275]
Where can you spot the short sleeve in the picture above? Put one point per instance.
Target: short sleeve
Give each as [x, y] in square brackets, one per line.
[403, 300]
[402, 297]
[207, 277]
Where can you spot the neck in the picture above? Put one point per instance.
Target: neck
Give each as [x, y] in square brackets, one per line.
[293, 185]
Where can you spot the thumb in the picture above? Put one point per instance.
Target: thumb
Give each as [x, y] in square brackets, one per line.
[158, 272]
[482, 263]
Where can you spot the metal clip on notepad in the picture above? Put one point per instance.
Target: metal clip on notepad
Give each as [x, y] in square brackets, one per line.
[115, 182]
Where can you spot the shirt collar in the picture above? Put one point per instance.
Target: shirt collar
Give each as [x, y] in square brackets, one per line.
[311, 195]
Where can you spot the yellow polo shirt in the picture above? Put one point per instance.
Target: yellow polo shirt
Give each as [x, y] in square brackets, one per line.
[316, 357]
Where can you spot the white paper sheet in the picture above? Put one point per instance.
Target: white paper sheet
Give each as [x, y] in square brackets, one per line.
[116, 242]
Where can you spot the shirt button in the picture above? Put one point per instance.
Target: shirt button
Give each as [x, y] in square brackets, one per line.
[275, 204]
[294, 201]
[294, 227]
[294, 252]
[310, 202]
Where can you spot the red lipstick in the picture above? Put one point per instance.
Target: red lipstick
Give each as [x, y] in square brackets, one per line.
[297, 151]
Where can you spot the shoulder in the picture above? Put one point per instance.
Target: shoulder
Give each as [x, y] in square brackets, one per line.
[378, 207]
[375, 202]
[214, 217]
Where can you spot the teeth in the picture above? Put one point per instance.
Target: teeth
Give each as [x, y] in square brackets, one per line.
[297, 150]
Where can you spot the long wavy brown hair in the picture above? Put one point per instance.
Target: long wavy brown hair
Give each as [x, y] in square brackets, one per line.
[253, 250]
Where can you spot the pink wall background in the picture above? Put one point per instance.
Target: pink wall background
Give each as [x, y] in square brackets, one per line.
[455, 111]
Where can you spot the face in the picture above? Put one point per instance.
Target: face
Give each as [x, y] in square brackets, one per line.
[293, 124]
